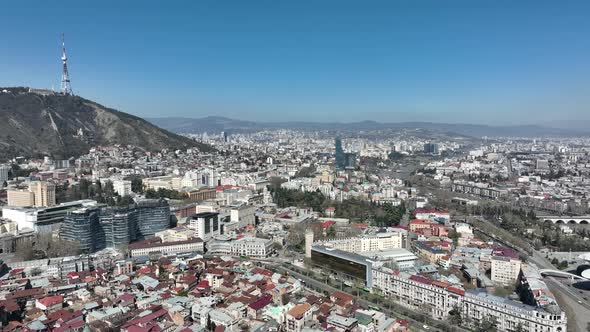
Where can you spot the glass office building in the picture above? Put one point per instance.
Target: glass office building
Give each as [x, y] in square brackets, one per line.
[348, 266]
[83, 226]
[119, 226]
[95, 229]
[153, 216]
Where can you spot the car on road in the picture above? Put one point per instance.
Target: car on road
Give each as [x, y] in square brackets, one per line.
[426, 327]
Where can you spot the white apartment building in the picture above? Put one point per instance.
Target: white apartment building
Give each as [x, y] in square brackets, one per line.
[419, 293]
[246, 246]
[416, 292]
[509, 314]
[376, 242]
[122, 187]
[205, 224]
[166, 248]
[505, 270]
[176, 234]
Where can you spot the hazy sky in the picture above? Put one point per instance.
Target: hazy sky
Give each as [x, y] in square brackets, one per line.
[494, 62]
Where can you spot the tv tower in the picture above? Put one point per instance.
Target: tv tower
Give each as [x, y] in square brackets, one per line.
[66, 87]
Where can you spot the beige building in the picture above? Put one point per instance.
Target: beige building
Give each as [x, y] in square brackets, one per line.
[44, 193]
[505, 270]
[244, 215]
[21, 198]
[297, 317]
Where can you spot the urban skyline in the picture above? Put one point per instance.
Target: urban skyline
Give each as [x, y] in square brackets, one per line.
[273, 166]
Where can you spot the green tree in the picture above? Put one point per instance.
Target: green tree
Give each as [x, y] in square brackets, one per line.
[136, 184]
[488, 324]
[455, 317]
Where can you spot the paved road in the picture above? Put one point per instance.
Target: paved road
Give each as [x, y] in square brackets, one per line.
[315, 284]
[569, 302]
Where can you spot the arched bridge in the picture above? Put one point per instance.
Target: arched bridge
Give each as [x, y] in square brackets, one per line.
[558, 273]
[580, 220]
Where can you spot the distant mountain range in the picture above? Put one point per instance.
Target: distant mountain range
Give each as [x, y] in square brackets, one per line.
[35, 124]
[217, 123]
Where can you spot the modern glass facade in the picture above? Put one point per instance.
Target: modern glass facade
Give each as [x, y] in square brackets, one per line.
[83, 226]
[153, 216]
[120, 227]
[95, 229]
[347, 265]
[339, 155]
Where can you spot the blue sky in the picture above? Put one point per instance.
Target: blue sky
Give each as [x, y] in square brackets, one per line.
[494, 62]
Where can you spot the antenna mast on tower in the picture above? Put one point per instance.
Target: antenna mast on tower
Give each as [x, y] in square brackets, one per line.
[66, 87]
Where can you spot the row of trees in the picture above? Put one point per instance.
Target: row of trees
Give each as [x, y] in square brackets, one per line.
[290, 197]
[45, 246]
[383, 215]
[166, 193]
[86, 189]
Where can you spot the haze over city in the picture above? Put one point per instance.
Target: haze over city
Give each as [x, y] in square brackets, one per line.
[483, 62]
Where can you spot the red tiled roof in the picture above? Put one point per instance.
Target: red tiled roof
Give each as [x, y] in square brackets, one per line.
[49, 301]
[262, 302]
[456, 291]
[9, 305]
[421, 280]
[262, 271]
[146, 319]
[73, 325]
[343, 296]
[203, 284]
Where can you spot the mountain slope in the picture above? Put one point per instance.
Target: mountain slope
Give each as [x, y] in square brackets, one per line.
[32, 124]
[213, 124]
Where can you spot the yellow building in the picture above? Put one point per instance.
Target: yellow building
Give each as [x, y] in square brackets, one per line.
[21, 198]
[44, 193]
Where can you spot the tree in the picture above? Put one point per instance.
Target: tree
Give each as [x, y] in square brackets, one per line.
[136, 184]
[276, 246]
[455, 316]
[24, 249]
[36, 271]
[488, 324]
[331, 232]
[125, 201]
[285, 298]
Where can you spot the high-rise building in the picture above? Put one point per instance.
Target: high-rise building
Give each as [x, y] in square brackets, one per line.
[431, 148]
[122, 187]
[339, 155]
[153, 216]
[44, 193]
[115, 227]
[205, 224]
[119, 226]
[83, 226]
[350, 160]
